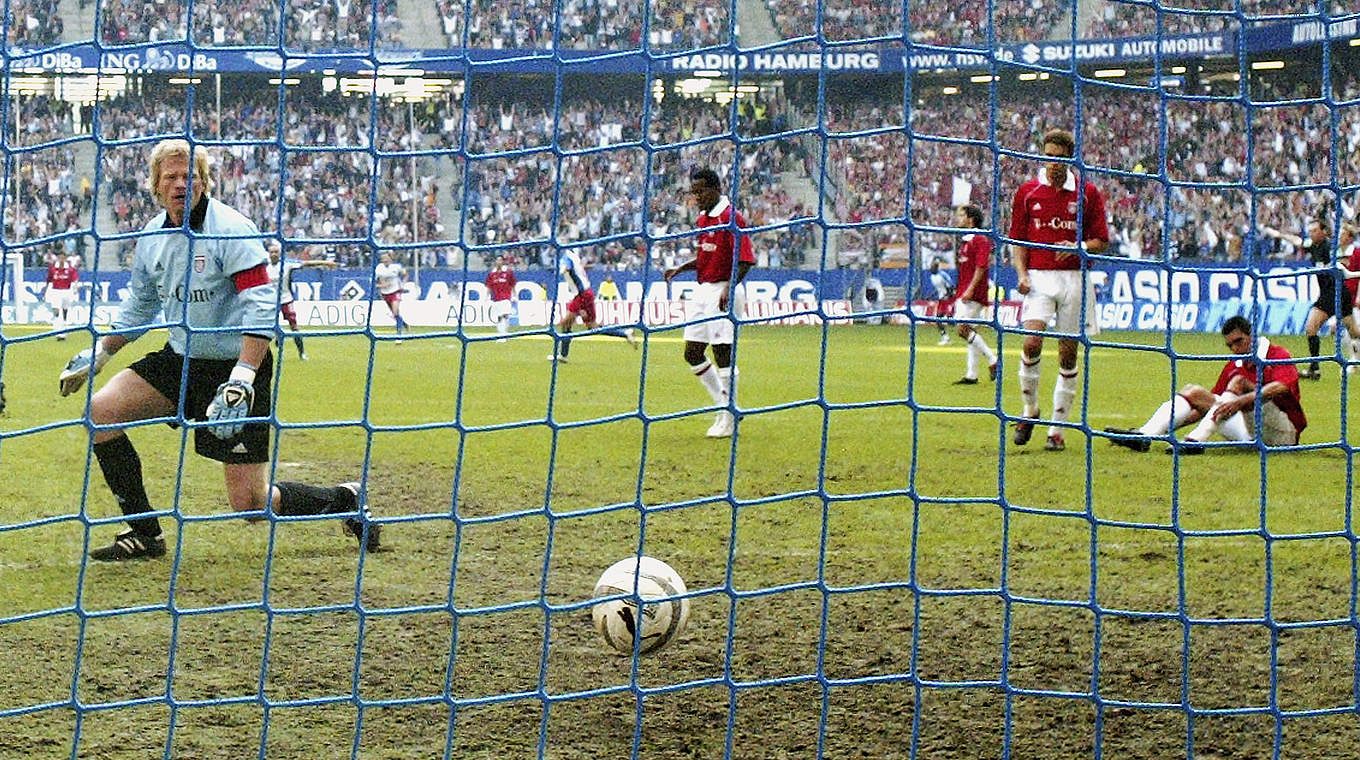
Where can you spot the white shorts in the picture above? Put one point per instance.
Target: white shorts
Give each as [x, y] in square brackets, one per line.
[60, 299]
[501, 309]
[1276, 429]
[971, 310]
[1055, 298]
[716, 326]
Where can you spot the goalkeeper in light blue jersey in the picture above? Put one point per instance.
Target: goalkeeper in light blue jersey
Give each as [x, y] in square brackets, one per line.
[208, 283]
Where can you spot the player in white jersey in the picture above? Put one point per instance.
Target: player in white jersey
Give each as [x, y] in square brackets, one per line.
[281, 274]
[199, 270]
[582, 306]
[390, 276]
[944, 296]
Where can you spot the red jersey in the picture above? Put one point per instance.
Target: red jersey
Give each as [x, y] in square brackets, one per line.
[1271, 373]
[975, 255]
[1353, 284]
[501, 283]
[713, 262]
[62, 276]
[1041, 213]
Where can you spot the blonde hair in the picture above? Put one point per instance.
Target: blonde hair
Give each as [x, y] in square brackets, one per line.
[177, 147]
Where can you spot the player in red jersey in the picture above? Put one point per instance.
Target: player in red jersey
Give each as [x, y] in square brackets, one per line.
[60, 291]
[1054, 279]
[1350, 252]
[1228, 408]
[708, 322]
[973, 298]
[500, 281]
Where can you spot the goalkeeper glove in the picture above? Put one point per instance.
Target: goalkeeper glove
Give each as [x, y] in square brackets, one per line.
[231, 402]
[85, 364]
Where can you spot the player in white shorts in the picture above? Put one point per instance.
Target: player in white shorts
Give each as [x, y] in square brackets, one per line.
[718, 244]
[1053, 278]
[60, 291]
[973, 301]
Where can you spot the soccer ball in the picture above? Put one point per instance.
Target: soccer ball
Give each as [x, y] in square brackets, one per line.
[656, 623]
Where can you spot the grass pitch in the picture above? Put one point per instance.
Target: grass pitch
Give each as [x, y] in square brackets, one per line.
[877, 572]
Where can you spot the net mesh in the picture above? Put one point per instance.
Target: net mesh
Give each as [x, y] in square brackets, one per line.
[850, 599]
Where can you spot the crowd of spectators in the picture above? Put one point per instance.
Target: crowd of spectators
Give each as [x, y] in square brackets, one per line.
[600, 189]
[306, 24]
[45, 197]
[582, 24]
[325, 195]
[586, 177]
[961, 23]
[613, 24]
[1207, 143]
[35, 23]
[1114, 18]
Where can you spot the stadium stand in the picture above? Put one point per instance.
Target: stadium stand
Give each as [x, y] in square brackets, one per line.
[1291, 146]
[35, 22]
[586, 24]
[1121, 19]
[309, 24]
[962, 23]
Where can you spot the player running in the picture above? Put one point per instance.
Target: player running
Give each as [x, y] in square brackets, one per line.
[581, 307]
[500, 282]
[390, 277]
[281, 274]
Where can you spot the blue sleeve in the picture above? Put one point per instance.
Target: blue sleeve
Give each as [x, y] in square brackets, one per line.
[261, 301]
[142, 303]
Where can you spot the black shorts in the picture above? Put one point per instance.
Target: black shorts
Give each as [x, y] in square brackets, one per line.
[1326, 300]
[163, 368]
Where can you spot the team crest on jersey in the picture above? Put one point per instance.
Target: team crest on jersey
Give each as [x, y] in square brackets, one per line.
[1072, 207]
[200, 262]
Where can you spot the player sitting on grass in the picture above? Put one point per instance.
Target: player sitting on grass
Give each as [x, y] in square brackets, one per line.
[1228, 408]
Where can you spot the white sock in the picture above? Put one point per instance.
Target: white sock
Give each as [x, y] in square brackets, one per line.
[975, 341]
[1235, 427]
[725, 381]
[1029, 386]
[1064, 391]
[503, 325]
[710, 381]
[1204, 429]
[1170, 415]
[970, 368]
[1207, 426]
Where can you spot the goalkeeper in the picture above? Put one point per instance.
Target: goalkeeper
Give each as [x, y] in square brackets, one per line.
[214, 278]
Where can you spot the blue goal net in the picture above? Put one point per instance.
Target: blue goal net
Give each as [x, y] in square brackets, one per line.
[834, 456]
